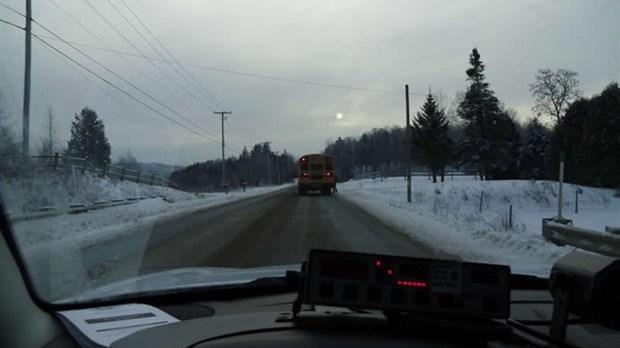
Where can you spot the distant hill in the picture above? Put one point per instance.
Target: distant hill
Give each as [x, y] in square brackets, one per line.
[162, 169]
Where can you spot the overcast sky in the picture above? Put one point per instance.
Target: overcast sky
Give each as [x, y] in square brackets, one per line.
[378, 45]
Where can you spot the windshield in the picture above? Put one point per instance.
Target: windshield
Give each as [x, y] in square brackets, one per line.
[163, 145]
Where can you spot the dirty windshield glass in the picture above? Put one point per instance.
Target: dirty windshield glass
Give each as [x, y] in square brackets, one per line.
[157, 145]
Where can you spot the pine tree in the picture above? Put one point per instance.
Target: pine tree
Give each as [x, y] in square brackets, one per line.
[88, 138]
[430, 137]
[532, 156]
[483, 144]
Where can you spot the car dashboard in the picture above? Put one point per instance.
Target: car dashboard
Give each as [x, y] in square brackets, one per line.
[316, 308]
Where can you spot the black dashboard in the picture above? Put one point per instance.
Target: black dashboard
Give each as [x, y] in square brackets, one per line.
[524, 312]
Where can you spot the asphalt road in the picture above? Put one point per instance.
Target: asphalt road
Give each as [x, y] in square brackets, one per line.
[274, 230]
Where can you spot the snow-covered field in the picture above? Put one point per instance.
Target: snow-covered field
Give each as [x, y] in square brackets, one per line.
[447, 216]
[60, 189]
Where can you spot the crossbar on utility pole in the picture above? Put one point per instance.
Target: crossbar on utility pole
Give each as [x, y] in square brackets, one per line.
[222, 114]
[408, 152]
[26, 109]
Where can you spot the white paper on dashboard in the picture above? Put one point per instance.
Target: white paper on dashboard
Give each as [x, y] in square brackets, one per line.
[101, 326]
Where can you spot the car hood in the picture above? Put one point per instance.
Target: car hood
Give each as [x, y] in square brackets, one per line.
[182, 279]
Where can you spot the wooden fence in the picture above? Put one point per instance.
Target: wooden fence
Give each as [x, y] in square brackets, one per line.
[57, 162]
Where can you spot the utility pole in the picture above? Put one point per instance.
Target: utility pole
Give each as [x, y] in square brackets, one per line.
[26, 110]
[561, 181]
[278, 167]
[223, 113]
[408, 152]
[268, 163]
[269, 168]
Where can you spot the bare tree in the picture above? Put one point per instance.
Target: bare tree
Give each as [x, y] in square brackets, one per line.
[10, 147]
[554, 91]
[128, 160]
[49, 143]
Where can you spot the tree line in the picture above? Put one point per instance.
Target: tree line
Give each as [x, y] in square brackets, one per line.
[480, 135]
[260, 166]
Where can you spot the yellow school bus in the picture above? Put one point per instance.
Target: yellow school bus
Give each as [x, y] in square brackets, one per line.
[315, 172]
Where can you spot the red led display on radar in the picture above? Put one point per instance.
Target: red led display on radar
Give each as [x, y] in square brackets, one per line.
[411, 284]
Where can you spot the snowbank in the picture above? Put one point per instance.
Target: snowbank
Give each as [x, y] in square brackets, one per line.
[30, 192]
[110, 223]
[447, 216]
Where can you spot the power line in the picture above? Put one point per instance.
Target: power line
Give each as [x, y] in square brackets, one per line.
[117, 88]
[268, 77]
[156, 50]
[13, 10]
[237, 116]
[168, 91]
[127, 82]
[85, 76]
[125, 92]
[197, 84]
[12, 24]
[58, 38]
[142, 54]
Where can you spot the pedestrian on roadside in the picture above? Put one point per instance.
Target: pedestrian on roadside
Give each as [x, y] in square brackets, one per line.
[334, 189]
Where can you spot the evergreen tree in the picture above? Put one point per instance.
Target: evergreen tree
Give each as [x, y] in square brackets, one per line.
[88, 138]
[484, 144]
[588, 134]
[532, 155]
[430, 137]
[506, 140]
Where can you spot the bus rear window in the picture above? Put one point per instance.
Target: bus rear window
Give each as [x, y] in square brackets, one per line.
[328, 167]
[304, 166]
[316, 166]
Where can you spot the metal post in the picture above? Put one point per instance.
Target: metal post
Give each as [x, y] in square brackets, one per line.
[577, 193]
[278, 168]
[408, 152]
[353, 148]
[269, 168]
[561, 179]
[26, 109]
[222, 113]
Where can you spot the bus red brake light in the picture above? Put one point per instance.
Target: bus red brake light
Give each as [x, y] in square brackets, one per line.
[304, 159]
[304, 174]
[328, 174]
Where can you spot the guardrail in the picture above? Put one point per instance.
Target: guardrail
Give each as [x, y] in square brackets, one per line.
[76, 208]
[563, 233]
[385, 174]
[57, 162]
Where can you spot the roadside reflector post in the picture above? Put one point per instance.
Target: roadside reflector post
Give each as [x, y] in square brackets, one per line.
[561, 181]
[408, 152]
